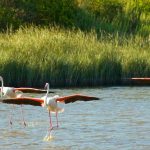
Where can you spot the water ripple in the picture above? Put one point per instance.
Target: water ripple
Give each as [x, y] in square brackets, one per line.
[120, 120]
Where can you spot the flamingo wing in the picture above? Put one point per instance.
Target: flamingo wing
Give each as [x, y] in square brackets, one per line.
[76, 97]
[31, 90]
[23, 100]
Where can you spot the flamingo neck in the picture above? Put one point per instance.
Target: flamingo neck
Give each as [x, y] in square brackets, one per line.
[2, 85]
[45, 100]
[47, 90]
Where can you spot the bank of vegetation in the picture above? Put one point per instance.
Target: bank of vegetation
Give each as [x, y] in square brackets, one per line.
[74, 43]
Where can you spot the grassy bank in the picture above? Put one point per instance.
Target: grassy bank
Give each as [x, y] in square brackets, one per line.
[33, 56]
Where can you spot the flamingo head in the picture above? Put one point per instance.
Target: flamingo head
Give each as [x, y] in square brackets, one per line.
[46, 86]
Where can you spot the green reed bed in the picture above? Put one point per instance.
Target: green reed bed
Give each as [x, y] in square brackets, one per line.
[33, 56]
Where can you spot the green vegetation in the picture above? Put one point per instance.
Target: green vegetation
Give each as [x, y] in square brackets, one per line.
[74, 42]
[33, 56]
[121, 16]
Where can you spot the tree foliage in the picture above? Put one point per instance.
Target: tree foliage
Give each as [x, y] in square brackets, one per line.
[38, 12]
[109, 15]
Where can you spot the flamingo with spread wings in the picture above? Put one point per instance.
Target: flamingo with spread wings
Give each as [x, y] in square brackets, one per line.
[49, 102]
[12, 92]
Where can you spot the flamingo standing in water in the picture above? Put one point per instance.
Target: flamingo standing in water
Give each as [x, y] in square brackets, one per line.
[49, 102]
[11, 92]
[51, 105]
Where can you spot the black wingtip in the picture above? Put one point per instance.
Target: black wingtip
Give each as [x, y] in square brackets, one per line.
[95, 98]
[51, 92]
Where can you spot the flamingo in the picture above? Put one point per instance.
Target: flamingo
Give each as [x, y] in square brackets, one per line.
[52, 107]
[49, 102]
[12, 92]
[9, 92]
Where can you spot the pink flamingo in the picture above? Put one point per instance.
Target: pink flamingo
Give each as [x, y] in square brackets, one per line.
[51, 103]
[11, 92]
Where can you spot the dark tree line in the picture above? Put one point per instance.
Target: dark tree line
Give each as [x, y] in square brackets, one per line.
[108, 15]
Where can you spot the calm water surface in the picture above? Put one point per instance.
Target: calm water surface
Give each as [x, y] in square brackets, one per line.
[120, 120]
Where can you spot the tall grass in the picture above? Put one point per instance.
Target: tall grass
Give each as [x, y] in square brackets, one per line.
[33, 56]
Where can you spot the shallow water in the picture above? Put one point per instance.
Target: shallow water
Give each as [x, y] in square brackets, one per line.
[120, 120]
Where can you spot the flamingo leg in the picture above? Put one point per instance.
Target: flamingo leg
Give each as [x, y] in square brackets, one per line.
[48, 135]
[23, 115]
[57, 118]
[11, 114]
[50, 120]
[10, 120]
